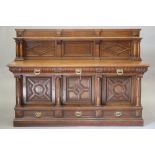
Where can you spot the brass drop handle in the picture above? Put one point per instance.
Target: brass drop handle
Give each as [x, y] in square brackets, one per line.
[36, 71]
[78, 113]
[78, 71]
[119, 71]
[38, 114]
[118, 113]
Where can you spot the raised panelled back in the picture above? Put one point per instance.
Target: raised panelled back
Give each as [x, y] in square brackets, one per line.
[77, 44]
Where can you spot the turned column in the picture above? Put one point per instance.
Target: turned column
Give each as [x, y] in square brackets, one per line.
[98, 90]
[136, 49]
[138, 91]
[19, 49]
[59, 48]
[58, 90]
[18, 91]
[97, 49]
[58, 111]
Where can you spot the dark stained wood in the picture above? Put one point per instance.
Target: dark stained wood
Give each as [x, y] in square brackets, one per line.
[78, 77]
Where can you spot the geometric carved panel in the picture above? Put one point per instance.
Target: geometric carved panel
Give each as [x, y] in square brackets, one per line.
[38, 89]
[118, 89]
[39, 48]
[77, 48]
[79, 89]
[115, 48]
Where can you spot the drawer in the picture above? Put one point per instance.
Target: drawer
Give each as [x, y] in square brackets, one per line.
[79, 114]
[38, 114]
[121, 114]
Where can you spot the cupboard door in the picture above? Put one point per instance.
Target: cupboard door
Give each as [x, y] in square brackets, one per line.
[76, 89]
[37, 89]
[118, 89]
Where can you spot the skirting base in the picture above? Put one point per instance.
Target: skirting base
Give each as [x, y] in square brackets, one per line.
[19, 122]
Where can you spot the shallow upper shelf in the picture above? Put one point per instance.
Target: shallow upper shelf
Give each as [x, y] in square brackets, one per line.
[78, 32]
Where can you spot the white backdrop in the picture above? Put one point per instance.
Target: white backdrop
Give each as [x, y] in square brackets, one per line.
[76, 13]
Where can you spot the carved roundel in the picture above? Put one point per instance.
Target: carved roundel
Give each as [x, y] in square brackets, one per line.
[38, 89]
[119, 89]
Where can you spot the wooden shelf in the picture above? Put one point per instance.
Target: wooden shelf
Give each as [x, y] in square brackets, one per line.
[76, 38]
[77, 63]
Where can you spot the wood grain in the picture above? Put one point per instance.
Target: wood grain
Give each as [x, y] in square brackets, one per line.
[70, 77]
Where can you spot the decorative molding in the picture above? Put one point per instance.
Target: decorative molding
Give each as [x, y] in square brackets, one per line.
[61, 70]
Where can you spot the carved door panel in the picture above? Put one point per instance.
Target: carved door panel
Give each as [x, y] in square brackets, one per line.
[118, 89]
[78, 90]
[37, 90]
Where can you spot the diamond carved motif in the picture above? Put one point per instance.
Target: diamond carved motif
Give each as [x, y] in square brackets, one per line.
[38, 89]
[78, 89]
[38, 48]
[118, 89]
[116, 48]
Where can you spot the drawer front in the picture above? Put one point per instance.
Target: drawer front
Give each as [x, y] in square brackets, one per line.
[121, 114]
[79, 114]
[38, 114]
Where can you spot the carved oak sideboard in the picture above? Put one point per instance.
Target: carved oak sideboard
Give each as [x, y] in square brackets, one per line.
[78, 77]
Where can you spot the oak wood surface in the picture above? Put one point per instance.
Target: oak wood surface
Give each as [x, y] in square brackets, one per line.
[78, 77]
[75, 63]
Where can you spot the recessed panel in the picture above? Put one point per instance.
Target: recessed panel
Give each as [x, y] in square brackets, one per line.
[79, 89]
[118, 89]
[115, 48]
[75, 48]
[38, 89]
[39, 48]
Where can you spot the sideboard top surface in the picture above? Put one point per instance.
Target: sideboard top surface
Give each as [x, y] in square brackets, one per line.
[75, 63]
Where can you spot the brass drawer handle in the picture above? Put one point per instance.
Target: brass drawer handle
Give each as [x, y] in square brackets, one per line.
[38, 114]
[78, 71]
[118, 113]
[119, 71]
[78, 113]
[36, 71]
